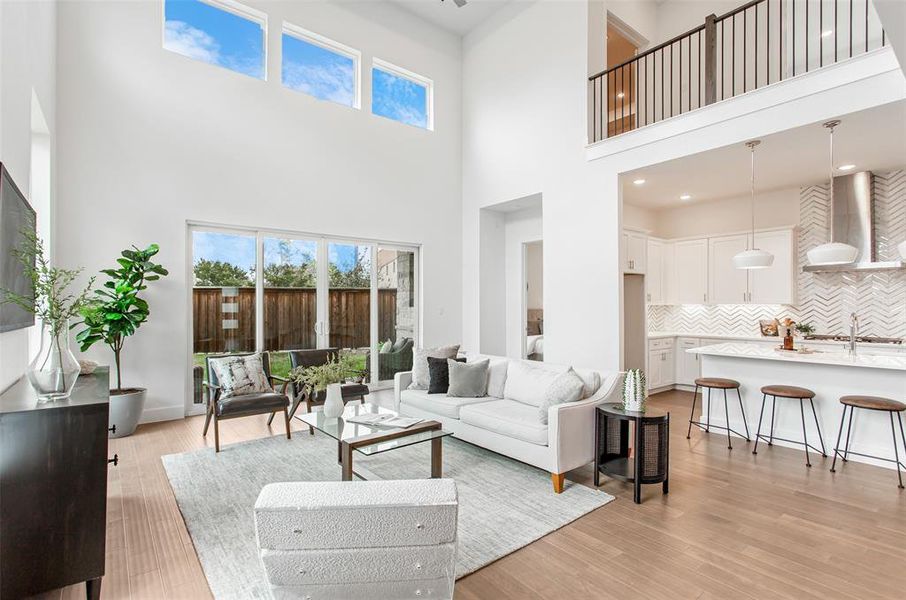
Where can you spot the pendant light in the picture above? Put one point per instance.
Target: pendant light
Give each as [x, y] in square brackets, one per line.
[832, 253]
[753, 258]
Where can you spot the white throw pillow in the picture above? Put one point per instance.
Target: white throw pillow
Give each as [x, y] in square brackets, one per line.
[497, 377]
[527, 381]
[240, 375]
[386, 347]
[592, 380]
[421, 377]
[566, 387]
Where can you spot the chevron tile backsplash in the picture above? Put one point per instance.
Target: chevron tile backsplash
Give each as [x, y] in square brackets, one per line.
[825, 299]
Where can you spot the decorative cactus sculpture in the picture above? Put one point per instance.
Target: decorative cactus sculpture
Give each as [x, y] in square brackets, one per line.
[635, 391]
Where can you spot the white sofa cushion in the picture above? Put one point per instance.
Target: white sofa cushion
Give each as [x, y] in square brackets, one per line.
[507, 417]
[334, 514]
[439, 404]
[497, 371]
[527, 381]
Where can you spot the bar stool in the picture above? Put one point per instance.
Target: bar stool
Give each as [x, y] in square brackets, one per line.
[871, 403]
[717, 383]
[794, 393]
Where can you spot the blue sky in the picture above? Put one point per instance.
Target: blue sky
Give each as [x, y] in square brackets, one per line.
[317, 71]
[398, 98]
[212, 35]
[239, 250]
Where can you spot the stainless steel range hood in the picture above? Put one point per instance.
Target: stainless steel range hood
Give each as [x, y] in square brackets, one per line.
[854, 224]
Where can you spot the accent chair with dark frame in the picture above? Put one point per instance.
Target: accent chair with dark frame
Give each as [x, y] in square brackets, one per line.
[302, 393]
[243, 405]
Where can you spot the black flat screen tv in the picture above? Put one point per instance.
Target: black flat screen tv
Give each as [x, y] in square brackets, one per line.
[16, 217]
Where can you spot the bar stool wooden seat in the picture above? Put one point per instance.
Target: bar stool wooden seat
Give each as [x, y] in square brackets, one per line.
[877, 403]
[794, 393]
[717, 383]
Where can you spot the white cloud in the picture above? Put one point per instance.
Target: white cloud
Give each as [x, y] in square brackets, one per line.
[332, 82]
[181, 37]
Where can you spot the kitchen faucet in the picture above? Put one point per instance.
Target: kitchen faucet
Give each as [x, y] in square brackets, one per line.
[853, 332]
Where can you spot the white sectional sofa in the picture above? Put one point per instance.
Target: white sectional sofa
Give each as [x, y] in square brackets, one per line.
[512, 427]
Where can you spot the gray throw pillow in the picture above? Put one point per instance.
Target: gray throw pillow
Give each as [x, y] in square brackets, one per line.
[566, 387]
[468, 380]
[421, 377]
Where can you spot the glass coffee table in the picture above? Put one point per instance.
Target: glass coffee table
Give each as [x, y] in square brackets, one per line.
[374, 439]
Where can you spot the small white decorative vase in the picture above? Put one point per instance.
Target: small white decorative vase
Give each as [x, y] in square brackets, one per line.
[333, 405]
[635, 391]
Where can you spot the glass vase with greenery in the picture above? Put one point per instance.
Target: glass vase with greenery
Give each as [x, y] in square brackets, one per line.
[54, 300]
[118, 309]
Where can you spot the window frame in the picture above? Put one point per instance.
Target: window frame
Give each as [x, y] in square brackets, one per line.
[235, 8]
[316, 39]
[396, 70]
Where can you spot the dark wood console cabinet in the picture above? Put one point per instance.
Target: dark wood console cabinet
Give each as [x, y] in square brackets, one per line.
[53, 488]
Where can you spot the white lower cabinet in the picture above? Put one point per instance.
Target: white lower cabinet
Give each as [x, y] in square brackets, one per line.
[660, 363]
[688, 366]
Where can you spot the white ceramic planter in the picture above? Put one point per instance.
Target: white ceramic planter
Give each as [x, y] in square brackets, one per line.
[333, 406]
[125, 410]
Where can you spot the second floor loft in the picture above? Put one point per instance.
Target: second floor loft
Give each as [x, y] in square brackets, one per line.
[752, 46]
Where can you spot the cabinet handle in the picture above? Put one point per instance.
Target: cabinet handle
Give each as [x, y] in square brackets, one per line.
[112, 429]
[704, 297]
[115, 460]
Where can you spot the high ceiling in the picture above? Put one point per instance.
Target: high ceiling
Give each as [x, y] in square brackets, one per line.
[447, 15]
[872, 140]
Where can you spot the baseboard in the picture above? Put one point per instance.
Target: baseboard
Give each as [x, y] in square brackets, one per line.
[164, 413]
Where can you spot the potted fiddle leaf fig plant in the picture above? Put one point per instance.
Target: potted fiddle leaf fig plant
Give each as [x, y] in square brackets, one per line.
[114, 315]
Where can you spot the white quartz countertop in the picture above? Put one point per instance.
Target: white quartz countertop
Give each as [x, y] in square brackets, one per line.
[659, 335]
[872, 359]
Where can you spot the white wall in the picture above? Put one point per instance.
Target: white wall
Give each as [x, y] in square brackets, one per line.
[778, 208]
[637, 217]
[524, 107]
[152, 139]
[520, 227]
[27, 68]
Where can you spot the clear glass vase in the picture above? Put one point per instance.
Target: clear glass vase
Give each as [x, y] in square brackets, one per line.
[55, 369]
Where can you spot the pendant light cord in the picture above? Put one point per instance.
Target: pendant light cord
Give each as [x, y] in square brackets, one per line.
[830, 204]
[751, 145]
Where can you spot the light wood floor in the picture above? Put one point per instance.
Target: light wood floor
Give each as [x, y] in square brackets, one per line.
[733, 526]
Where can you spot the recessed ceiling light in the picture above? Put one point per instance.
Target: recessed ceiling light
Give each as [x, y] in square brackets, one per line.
[846, 167]
[827, 33]
[639, 181]
[620, 95]
[685, 197]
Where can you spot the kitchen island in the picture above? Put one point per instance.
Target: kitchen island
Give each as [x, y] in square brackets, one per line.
[828, 371]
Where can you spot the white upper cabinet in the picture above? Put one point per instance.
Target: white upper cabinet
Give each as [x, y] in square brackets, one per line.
[635, 251]
[777, 283]
[654, 276]
[691, 266]
[726, 283]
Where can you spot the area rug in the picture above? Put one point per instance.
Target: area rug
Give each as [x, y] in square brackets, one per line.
[503, 504]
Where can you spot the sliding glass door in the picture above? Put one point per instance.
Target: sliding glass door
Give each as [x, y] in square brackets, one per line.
[271, 291]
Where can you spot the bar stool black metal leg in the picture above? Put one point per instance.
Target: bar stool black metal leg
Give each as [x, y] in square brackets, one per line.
[773, 408]
[764, 399]
[818, 428]
[849, 429]
[708, 426]
[902, 435]
[742, 411]
[837, 445]
[896, 454]
[804, 434]
[727, 415]
[692, 416]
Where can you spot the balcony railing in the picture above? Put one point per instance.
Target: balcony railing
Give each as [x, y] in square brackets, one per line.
[755, 45]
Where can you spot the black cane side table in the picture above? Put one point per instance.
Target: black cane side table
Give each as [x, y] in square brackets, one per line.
[649, 463]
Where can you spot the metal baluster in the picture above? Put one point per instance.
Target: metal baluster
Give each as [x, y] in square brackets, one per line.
[745, 38]
[806, 36]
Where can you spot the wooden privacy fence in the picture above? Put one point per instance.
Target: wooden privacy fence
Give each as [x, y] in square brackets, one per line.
[223, 319]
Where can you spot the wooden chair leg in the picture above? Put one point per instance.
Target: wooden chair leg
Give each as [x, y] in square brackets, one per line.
[289, 435]
[558, 479]
[270, 418]
[216, 435]
[207, 420]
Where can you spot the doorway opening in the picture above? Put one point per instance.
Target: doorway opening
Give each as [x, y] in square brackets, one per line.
[533, 273]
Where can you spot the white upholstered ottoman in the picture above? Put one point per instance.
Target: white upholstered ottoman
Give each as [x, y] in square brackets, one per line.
[391, 540]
